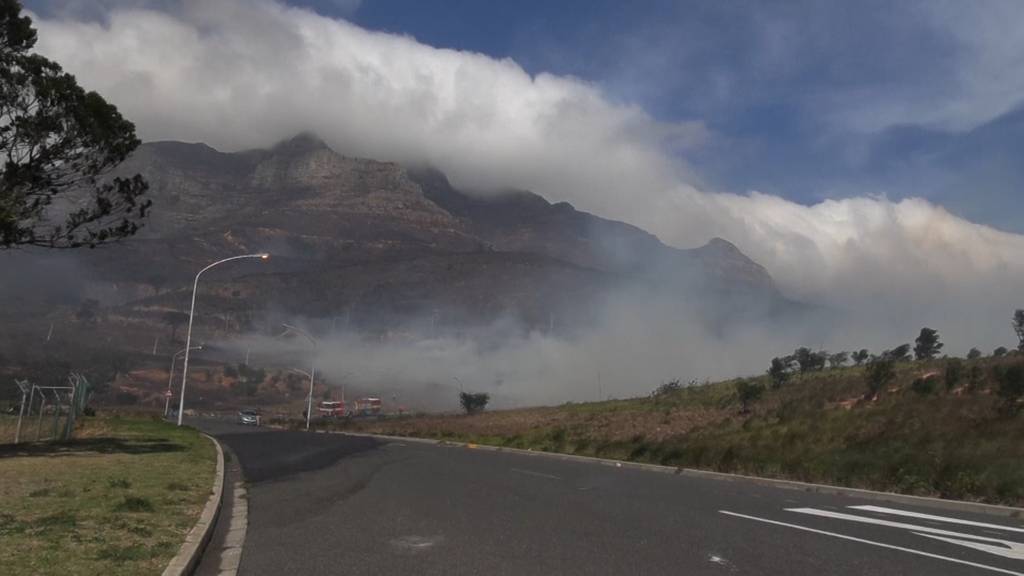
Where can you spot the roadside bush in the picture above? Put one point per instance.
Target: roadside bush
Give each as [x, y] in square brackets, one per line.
[923, 386]
[473, 403]
[747, 393]
[1011, 387]
[881, 371]
[954, 373]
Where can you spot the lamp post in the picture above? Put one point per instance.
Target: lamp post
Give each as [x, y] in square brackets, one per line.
[191, 314]
[312, 368]
[170, 378]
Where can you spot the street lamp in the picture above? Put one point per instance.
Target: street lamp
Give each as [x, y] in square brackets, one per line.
[170, 378]
[191, 313]
[312, 368]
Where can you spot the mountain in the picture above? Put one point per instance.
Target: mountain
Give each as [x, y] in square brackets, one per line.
[384, 245]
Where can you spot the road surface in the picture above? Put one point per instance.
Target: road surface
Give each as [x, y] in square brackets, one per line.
[327, 504]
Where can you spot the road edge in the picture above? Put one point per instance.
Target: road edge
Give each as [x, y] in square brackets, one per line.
[187, 558]
[938, 503]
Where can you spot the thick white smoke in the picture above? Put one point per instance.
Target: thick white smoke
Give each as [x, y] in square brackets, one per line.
[246, 74]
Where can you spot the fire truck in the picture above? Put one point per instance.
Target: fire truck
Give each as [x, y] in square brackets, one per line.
[331, 409]
[367, 407]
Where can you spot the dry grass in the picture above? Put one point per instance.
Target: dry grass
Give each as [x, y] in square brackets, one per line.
[818, 427]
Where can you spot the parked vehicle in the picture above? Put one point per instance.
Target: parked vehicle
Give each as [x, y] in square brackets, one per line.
[249, 417]
[367, 407]
[331, 409]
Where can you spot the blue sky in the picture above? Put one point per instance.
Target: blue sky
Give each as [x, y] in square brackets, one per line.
[806, 100]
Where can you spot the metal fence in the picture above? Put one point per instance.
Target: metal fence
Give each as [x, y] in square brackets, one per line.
[45, 413]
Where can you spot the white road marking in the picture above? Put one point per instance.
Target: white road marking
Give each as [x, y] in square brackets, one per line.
[890, 523]
[895, 512]
[1013, 552]
[873, 543]
[1008, 549]
[532, 473]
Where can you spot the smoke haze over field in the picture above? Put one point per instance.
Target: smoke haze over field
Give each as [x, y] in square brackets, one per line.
[238, 75]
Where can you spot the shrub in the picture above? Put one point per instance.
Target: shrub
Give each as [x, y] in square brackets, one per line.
[473, 403]
[1000, 352]
[974, 354]
[1011, 386]
[747, 392]
[881, 371]
[954, 373]
[667, 388]
[923, 386]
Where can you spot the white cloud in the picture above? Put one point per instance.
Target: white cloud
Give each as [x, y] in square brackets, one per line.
[238, 75]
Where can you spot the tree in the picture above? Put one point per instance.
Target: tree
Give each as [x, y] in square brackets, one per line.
[1011, 387]
[810, 361]
[900, 353]
[58, 145]
[747, 392]
[473, 403]
[1000, 352]
[779, 372]
[881, 371]
[838, 359]
[974, 354]
[1018, 327]
[927, 345]
[174, 319]
[860, 356]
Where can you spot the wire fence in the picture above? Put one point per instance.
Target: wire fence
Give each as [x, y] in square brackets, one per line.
[44, 413]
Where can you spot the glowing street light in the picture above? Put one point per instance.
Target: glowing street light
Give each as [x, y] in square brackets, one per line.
[191, 314]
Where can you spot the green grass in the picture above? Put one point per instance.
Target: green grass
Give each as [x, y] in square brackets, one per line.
[957, 444]
[117, 500]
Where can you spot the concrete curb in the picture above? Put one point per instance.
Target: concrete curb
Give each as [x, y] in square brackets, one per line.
[188, 555]
[938, 503]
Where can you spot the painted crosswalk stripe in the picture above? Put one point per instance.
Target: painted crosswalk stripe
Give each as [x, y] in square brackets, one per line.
[873, 543]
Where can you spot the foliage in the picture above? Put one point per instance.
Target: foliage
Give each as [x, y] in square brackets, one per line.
[59, 144]
[880, 373]
[838, 360]
[927, 345]
[473, 403]
[1011, 386]
[667, 388]
[974, 354]
[174, 319]
[900, 353]
[810, 361]
[860, 356]
[779, 372]
[747, 392]
[954, 373]
[1000, 352]
[923, 385]
[1018, 328]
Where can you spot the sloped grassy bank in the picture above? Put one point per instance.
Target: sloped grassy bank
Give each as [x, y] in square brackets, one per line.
[954, 441]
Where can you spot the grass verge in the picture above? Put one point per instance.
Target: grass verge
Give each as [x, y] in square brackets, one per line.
[119, 499]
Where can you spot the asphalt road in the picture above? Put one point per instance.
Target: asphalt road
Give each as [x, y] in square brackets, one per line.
[326, 504]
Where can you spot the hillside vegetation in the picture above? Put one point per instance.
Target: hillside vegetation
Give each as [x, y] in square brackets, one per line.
[932, 430]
